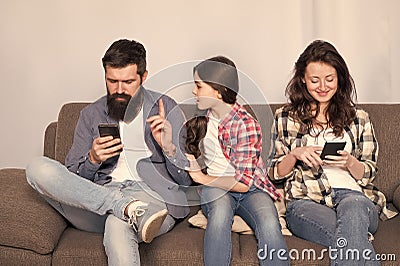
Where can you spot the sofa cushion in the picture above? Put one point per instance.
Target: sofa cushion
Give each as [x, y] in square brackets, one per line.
[11, 256]
[238, 226]
[67, 119]
[31, 223]
[382, 117]
[183, 245]
[396, 198]
[50, 140]
[301, 251]
[77, 247]
[386, 239]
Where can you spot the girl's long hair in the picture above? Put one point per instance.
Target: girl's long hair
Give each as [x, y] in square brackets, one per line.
[196, 129]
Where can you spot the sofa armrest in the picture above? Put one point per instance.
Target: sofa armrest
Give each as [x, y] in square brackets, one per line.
[27, 220]
[50, 140]
[396, 198]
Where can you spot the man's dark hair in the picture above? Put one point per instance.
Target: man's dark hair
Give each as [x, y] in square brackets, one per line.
[126, 52]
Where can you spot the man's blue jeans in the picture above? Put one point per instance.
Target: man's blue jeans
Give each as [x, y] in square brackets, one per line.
[257, 210]
[95, 208]
[344, 229]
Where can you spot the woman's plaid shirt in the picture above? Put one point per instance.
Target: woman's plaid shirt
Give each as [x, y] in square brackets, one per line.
[304, 182]
[240, 137]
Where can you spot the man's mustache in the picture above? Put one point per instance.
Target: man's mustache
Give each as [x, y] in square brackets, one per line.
[115, 96]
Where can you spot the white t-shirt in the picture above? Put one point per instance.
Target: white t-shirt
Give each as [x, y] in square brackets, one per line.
[217, 164]
[338, 177]
[135, 148]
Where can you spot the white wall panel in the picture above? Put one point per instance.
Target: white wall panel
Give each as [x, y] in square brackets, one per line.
[51, 50]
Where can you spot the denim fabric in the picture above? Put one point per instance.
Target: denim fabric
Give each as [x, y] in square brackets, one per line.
[344, 229]
[122, 243]
[53, 180]
[95, 208]
[257, 210]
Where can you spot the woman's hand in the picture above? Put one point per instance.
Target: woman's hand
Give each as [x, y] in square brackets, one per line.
[308, 154]
[348, 161]
[344, 159]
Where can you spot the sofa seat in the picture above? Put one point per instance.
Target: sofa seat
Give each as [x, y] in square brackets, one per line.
[186, 245]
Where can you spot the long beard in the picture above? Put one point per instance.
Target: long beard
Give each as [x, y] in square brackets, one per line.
[117, 104]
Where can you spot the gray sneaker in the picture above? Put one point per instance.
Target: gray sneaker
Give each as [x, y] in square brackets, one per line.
[147, 220]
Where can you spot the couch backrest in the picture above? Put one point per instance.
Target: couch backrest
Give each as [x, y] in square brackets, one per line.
[385, 119]
[66, 123]
[383, 116]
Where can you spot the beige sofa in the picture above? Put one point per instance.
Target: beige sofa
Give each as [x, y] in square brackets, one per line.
[32, 233]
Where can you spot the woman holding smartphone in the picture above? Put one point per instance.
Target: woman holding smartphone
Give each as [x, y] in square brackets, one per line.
[330, 200]
[235, 180]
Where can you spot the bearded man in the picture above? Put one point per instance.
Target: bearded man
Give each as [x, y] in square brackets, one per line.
[127, 187]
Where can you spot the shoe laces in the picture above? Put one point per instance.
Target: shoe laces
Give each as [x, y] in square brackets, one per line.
[132, 221]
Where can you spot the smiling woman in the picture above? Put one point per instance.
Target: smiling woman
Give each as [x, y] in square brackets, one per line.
[336, 192]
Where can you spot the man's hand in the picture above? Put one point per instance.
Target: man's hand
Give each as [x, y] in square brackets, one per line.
[161, 129]
[102, 149]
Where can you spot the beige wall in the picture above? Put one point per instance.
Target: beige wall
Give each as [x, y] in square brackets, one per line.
[51, 50]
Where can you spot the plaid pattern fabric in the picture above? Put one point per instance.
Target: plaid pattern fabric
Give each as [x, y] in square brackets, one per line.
[304, 182]
[240, 138]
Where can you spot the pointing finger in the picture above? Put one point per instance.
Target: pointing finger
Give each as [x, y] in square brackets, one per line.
[161, 111]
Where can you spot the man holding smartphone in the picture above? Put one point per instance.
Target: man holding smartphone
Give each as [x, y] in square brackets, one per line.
[128, 189]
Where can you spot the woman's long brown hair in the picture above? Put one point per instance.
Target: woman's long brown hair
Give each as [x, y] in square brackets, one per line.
[341, 108]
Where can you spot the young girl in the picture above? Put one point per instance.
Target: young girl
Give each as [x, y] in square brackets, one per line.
[330, 200]
[235, 181]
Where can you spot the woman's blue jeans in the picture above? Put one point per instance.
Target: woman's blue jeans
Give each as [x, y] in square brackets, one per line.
[344, 229]
[95, 208]
[257, 210]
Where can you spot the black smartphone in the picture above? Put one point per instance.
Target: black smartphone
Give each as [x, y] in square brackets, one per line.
[331, 148]
[109, 130]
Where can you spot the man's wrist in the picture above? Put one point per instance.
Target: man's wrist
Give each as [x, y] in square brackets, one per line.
[170, 150]
[92, 160]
